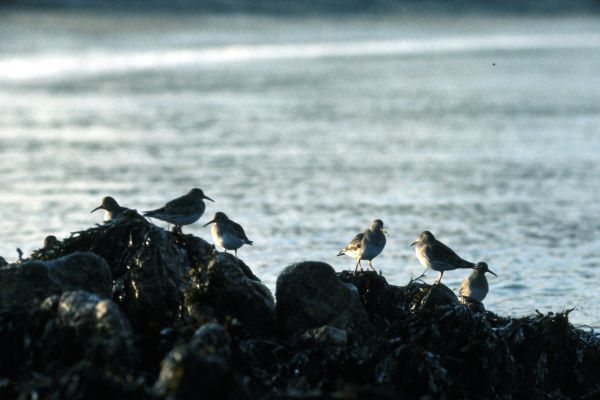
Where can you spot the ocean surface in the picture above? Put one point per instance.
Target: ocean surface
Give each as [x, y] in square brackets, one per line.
[482, 129]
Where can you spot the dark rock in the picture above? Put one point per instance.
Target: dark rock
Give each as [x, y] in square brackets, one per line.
[309, 295]
[201, 368]
[149, 265]
[31, 282]
[3, 262]
[326, 335]
[433, 296]
[98, 326]
[223, 289]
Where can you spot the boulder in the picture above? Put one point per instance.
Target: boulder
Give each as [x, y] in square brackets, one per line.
[100, 330]
[224, 289]
[200, 368]
[309, 294]
[31, 282]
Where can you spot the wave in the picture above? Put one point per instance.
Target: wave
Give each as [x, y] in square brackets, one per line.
[98, 62]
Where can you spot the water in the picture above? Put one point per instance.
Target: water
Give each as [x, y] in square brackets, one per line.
[484, 130]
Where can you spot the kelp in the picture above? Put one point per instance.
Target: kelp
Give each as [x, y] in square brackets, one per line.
[176, 292]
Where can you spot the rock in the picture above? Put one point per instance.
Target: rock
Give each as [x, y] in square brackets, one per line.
[309, 295]
[101, 331]
[432, 296]
[77, 344]
[223, 289]
[200, 368]
[149, 265]
[3, 262]
[30, 282]
[326, 335]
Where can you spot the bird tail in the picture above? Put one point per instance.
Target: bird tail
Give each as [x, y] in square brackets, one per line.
[250, 242]
[149, 213]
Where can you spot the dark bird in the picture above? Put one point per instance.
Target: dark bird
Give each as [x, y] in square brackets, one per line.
[227, 233]
[183, 210]
[436, 255]
[366, 245]
[112, 209]
[475, 286]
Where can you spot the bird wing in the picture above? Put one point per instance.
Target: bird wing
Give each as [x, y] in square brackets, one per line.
[239, 232]
[439, 251]
[355, 243]
[181, 205]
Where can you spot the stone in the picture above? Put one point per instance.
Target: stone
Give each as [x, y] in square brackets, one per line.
[309, 294]
[30, 282]
[224, 290]
[201, 368]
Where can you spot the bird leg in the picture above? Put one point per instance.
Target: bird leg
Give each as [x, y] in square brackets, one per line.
[440, 278]
[235, 252]
[371, 265]
[356, 267]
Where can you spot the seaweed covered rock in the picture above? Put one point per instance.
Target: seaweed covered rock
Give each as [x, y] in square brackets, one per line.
[83, 339]
[225, 288]
[149, 266]
[309, 295]
[32, 281]
[201, 368]
[101, 333]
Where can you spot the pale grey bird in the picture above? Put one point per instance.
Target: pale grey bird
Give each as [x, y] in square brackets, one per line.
[184, 210]
[436, 255]
[475, 286]
[227, 233]
[112, 209]
[366, 245]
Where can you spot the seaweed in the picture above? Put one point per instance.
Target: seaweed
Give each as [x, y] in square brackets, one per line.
[202, 325]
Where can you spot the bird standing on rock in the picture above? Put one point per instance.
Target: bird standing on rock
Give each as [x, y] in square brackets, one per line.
[366, 245]
[436, 255]
[227, 233]
[112, 209]
[183, 210]
[475, 286]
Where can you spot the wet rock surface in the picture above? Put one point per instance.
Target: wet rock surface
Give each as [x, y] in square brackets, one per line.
[309, 295]
[129, 310]
[32, 281]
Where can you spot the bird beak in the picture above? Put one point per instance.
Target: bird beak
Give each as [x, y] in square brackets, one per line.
[209, 222]
[413, 244]
[386, 232]
[208, 198]
[97, 208]
[492, 272]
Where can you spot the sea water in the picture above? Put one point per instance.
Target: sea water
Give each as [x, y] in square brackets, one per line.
[482, 129]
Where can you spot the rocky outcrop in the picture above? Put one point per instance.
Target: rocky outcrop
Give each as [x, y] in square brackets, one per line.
[153, 314]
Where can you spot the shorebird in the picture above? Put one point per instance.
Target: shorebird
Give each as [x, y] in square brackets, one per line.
[475, 286]
[366, 245]
[183, 210]
[112, 209]
[436, 255]
[227, 233]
